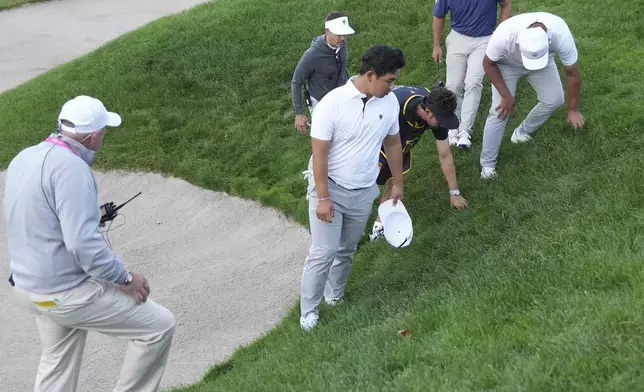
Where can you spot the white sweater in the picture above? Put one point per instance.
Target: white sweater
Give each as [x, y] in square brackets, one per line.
[55, 251]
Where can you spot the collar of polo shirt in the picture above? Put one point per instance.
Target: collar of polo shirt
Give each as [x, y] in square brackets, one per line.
[356, 92]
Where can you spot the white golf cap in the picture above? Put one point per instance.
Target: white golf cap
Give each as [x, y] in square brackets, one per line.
[339, 26]
[87, 114]
[396, 223]
[534, 45]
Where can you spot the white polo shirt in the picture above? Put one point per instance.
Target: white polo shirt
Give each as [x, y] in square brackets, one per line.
[356, 131]
[503, 48]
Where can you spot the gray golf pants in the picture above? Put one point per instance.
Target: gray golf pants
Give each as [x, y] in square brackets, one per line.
[334, 244]
[550, 96]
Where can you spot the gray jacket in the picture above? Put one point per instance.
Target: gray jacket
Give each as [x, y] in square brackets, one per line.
[54, 241]
[319, 71]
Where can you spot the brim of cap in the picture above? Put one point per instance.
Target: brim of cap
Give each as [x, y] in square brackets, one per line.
[535, 64]
[113, 119]
[449, 122]
[387, 208]
[344, 30]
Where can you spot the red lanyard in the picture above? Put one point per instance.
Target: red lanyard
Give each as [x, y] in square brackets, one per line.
[60, 142]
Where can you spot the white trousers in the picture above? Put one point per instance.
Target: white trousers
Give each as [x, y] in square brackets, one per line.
[314, 102]
[464, 60]
[550, 97]
[64, 319]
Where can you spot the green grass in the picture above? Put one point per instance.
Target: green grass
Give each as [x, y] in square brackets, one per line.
[8, 4]
[536, 287]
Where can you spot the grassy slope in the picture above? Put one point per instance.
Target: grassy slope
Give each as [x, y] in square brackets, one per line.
[538, 286]
[8, 4]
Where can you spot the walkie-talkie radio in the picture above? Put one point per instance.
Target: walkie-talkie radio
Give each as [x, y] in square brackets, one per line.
[109, 211]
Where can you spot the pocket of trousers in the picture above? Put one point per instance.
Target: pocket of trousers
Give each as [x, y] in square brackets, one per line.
[78, 297]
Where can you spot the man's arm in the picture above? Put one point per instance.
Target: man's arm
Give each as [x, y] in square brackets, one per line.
[449, 171]
[506, 106]
[569, 57]
[300, 76]
[447, 163]
[494, 76]
[320, 150]
[437, 26]
[441, 8]
[506, 10]
[573, 79]
[393, 151]
[77, 208]
[322, 130]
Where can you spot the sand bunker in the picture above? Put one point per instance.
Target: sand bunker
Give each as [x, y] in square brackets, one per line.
[228, 268]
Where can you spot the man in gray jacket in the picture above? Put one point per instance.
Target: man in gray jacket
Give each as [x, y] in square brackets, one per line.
[323, 67]
[62, 269]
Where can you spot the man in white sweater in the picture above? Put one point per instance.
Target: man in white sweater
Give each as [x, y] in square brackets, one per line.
[62, 269]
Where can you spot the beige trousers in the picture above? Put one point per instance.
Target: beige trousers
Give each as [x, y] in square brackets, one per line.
[465, 75]
[64, 319]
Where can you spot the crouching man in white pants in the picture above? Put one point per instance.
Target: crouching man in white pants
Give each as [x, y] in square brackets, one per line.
[350, 125]
[63, 271]
[525, 45]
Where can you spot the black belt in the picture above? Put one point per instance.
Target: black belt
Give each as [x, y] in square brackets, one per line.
[350, 189]
[11, 282]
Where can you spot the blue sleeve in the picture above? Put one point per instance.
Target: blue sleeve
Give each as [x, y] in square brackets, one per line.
[441, 7]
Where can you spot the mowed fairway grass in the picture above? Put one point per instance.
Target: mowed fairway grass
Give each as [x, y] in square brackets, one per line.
[538, 286]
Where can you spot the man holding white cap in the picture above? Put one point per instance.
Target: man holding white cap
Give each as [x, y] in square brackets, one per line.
[323, 67]
[62, 269]
[350, 126]
[524, 45]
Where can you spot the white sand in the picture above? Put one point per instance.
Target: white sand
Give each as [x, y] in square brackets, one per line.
[228, 268]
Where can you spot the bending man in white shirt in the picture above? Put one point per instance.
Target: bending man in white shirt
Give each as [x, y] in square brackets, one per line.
[62, 269]
[350, 125]
[525, 45]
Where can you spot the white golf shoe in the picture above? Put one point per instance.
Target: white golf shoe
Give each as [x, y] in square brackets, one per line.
[309, 322]
[518, 137]
[377, 231]
[333, 301]
[488, 172]
[464, 140]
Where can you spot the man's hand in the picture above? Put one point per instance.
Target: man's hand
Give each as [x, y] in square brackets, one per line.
[324, 211]
[437, 54]
[301, 123]
[138, 288]
[458, 202]
[397, 193]
[575, 119]
[506, 106]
